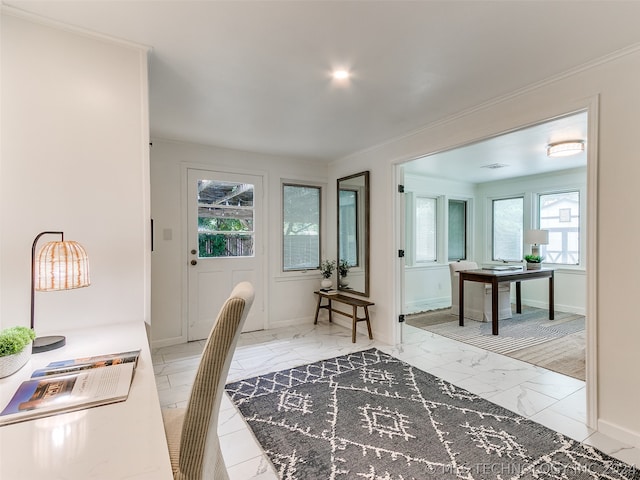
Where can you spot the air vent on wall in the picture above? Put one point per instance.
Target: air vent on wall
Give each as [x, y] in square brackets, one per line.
[493, 166]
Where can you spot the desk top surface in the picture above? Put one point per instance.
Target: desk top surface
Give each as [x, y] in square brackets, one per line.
[543, 272]
[110, 442]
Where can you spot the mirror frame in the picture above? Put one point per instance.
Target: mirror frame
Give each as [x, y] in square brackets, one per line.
[364, 235]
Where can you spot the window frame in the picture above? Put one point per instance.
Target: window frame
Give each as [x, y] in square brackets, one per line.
[538, 200]
[493, 257]
[298, 184]
[437, 231]
[464, 202]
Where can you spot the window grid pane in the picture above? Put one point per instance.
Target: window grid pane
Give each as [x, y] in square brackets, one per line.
[301, 227]
[457, 230]
[508, 215]
[559, 213]
[425, 229]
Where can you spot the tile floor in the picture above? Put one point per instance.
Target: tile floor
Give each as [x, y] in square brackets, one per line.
[551, 399]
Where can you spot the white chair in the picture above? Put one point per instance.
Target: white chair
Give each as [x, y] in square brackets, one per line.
[192, 433]
[477, 296]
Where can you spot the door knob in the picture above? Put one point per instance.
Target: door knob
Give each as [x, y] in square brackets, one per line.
[194, 262]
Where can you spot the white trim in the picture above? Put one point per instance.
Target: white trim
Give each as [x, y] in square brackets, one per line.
[48, 22]
[591, 349]
[619, 433]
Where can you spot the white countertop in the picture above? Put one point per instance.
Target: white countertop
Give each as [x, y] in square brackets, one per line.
[110, 442]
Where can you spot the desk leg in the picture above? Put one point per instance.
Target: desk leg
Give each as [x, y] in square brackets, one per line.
[317, 309]
[330, 307]
[461, 302]
[494, 306]
[551, 300]
[518, 298]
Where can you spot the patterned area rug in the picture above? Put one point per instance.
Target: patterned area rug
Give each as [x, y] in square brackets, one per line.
[368, 415]
[531, 327]
[557, 345]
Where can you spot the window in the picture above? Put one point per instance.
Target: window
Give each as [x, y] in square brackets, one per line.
[301, 227]
[508, 228]
[559, 213]
[425, 228]
[457, 242]
[225, 219]
[349, 242]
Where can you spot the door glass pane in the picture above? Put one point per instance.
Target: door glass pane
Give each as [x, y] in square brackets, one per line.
[508, 215]
[225, 219]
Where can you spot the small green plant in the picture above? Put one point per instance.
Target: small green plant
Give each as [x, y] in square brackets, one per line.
[14, 339]
[533, 258]
[327, 267]
[343, 268]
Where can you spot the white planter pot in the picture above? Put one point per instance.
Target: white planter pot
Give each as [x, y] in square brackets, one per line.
[326, 283]
[10, 364]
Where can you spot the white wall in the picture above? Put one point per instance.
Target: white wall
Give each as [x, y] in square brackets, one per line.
[289, 296]
[74, 158]
[615, 85]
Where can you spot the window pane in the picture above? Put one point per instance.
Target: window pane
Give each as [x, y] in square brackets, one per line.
[560, 215]
[508, 229]
[301, 227]
[225, 219]
[457, 230]
[348, 220]
[425, 229]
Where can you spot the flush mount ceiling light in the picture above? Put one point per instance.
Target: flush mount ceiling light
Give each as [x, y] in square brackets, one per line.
[340, 74]
[564, 149]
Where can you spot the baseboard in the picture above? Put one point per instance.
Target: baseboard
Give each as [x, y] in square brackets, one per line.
[619, 433]
[293, 322]
[167, 342]
[557, 307]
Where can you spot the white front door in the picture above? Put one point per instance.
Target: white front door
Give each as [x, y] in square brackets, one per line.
[225, 245]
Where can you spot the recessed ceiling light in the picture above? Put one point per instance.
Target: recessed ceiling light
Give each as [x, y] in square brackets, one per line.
[564, 149]
[340, 74]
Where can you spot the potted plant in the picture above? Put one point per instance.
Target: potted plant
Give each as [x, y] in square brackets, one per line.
[15, 349]
[326, 268]
[534, 262]
[343, 270]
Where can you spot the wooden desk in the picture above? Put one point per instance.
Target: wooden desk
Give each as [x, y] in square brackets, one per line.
[109, 442]
[494, 277]
[355, 304]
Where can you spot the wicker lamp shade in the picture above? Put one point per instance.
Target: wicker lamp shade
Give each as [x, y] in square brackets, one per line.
[62, 265]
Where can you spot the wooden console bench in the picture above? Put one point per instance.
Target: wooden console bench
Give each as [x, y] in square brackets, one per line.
[354, 302]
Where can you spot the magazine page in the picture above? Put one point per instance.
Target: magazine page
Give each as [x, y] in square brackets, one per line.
[77, 364]
[50, 395]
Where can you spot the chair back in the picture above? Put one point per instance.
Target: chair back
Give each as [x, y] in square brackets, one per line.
[200, 456]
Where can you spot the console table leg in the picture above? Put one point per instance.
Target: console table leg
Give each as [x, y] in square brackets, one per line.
[366, 315]
[317, 309]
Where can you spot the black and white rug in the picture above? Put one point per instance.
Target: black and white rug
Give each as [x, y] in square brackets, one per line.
[370, 416]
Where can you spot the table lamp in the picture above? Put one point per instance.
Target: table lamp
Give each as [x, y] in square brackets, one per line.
[60, 265]
[536, 238]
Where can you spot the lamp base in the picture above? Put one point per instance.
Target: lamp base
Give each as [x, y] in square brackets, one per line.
[44, 344]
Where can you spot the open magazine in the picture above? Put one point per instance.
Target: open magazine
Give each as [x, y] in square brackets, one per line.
[72, 385]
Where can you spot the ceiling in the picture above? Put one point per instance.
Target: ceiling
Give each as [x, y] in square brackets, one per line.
[255, 75]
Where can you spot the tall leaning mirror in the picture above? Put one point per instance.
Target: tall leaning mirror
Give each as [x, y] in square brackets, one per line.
[353, 234]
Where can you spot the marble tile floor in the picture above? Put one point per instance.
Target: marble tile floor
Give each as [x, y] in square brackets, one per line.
[551, 399]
